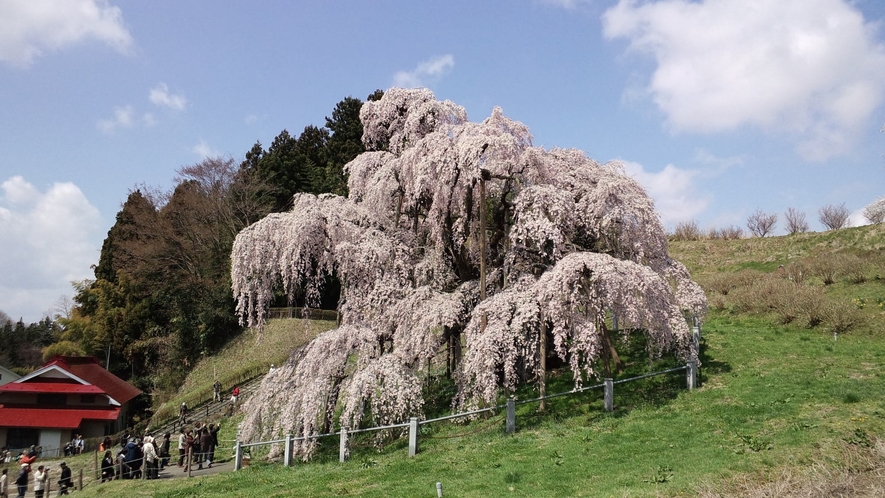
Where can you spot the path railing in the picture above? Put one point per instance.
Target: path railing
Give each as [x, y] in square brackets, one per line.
[414, 424]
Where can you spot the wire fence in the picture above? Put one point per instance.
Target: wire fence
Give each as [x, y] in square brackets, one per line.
[414, 424]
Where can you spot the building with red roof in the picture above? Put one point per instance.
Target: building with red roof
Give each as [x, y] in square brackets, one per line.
[69, 395]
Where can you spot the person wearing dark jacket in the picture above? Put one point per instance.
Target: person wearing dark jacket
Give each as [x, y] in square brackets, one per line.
[133, 459]
[207, 447]
[107, 467]
[64, 480]
[22, 480]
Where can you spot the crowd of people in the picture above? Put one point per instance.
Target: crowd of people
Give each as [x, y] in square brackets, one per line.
[40, 476]
[131, 458]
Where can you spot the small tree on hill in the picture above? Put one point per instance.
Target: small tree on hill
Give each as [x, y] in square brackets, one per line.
[875, 211]
[761, 224]
[795, 221]
[460, 244]
[834, 217]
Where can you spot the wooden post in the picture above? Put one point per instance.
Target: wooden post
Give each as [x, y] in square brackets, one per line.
[190, 461]
[609, 395]
[80, 480]
[510, 424]
[238, 455]
[342, 446]
[97, 475]
[413, 436]
[691, 375]
[287, 451]
[542, 366]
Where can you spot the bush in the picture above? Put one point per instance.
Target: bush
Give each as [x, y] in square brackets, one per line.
[728, 233]
[827, 268]
[854, 267]
[723, 283]
[687, 230]
[841, 317]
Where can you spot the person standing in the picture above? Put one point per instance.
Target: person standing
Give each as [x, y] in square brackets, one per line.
[216, 391]
[107, 467]
[22, 480]
[40, 478]
[4, 484]
[207, 447]
[182, 446]
[234, 395]
[164, 450]
[64, 481]
[213, 431]
[150, 458]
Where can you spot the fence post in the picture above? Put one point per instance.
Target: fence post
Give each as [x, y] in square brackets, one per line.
[80, 480]
[609, 395]
[287, 453]
[238, 455]
[413, 436]
[342, 446]
[510, 425]
[696, 329]
[691, 374]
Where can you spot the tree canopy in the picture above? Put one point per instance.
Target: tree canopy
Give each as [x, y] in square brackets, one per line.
[456, 237]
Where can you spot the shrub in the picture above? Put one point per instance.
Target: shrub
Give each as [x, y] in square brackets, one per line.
[854, 267]
[728, 233]
[834, 217]
[841, 316]
[687, 230]
[723, 283]
[827, 268]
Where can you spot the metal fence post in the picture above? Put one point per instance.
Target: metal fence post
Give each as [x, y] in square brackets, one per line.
[342, 446]
[287, 453]
[691, 374]
[609, 395]
[238, 455]
[510, 425]
[413, 436]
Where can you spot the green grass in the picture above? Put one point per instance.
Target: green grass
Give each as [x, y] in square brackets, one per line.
[771, 396]
[242, 359]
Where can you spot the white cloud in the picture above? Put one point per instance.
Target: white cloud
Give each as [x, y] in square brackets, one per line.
[427, 72]
[159, 95]
[204, 150]
[673, 190]
[48, 239]
[811, 70]
[124, 117]
[28, 28]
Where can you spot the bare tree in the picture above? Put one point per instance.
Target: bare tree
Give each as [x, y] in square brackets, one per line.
[761, 224]
[796, 222]
[875, 212]
[834, 217]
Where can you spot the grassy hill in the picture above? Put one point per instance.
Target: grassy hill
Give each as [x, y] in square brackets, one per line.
[785, 407]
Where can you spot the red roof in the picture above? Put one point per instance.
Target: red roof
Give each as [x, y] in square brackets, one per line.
[56, 418]
[88, 369]
[50, 387]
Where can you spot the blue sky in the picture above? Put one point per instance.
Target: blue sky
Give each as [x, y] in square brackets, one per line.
[718, 107]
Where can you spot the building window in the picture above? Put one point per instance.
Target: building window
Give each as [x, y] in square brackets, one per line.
[87, 399]
[52, 399]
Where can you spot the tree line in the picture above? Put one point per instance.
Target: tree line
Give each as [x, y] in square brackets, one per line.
[161, 297]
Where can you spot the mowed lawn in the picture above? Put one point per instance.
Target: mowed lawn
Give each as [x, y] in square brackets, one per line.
[772, 399]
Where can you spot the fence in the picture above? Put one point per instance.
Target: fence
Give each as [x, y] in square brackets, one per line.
[297, 312]
[414, 424]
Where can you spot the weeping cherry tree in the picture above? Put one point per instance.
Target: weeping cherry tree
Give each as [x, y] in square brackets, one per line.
[461, 244]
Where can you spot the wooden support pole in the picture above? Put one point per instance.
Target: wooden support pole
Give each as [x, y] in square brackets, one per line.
[609, 395]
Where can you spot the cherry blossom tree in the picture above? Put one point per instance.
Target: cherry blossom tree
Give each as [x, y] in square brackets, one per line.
[457, 236]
